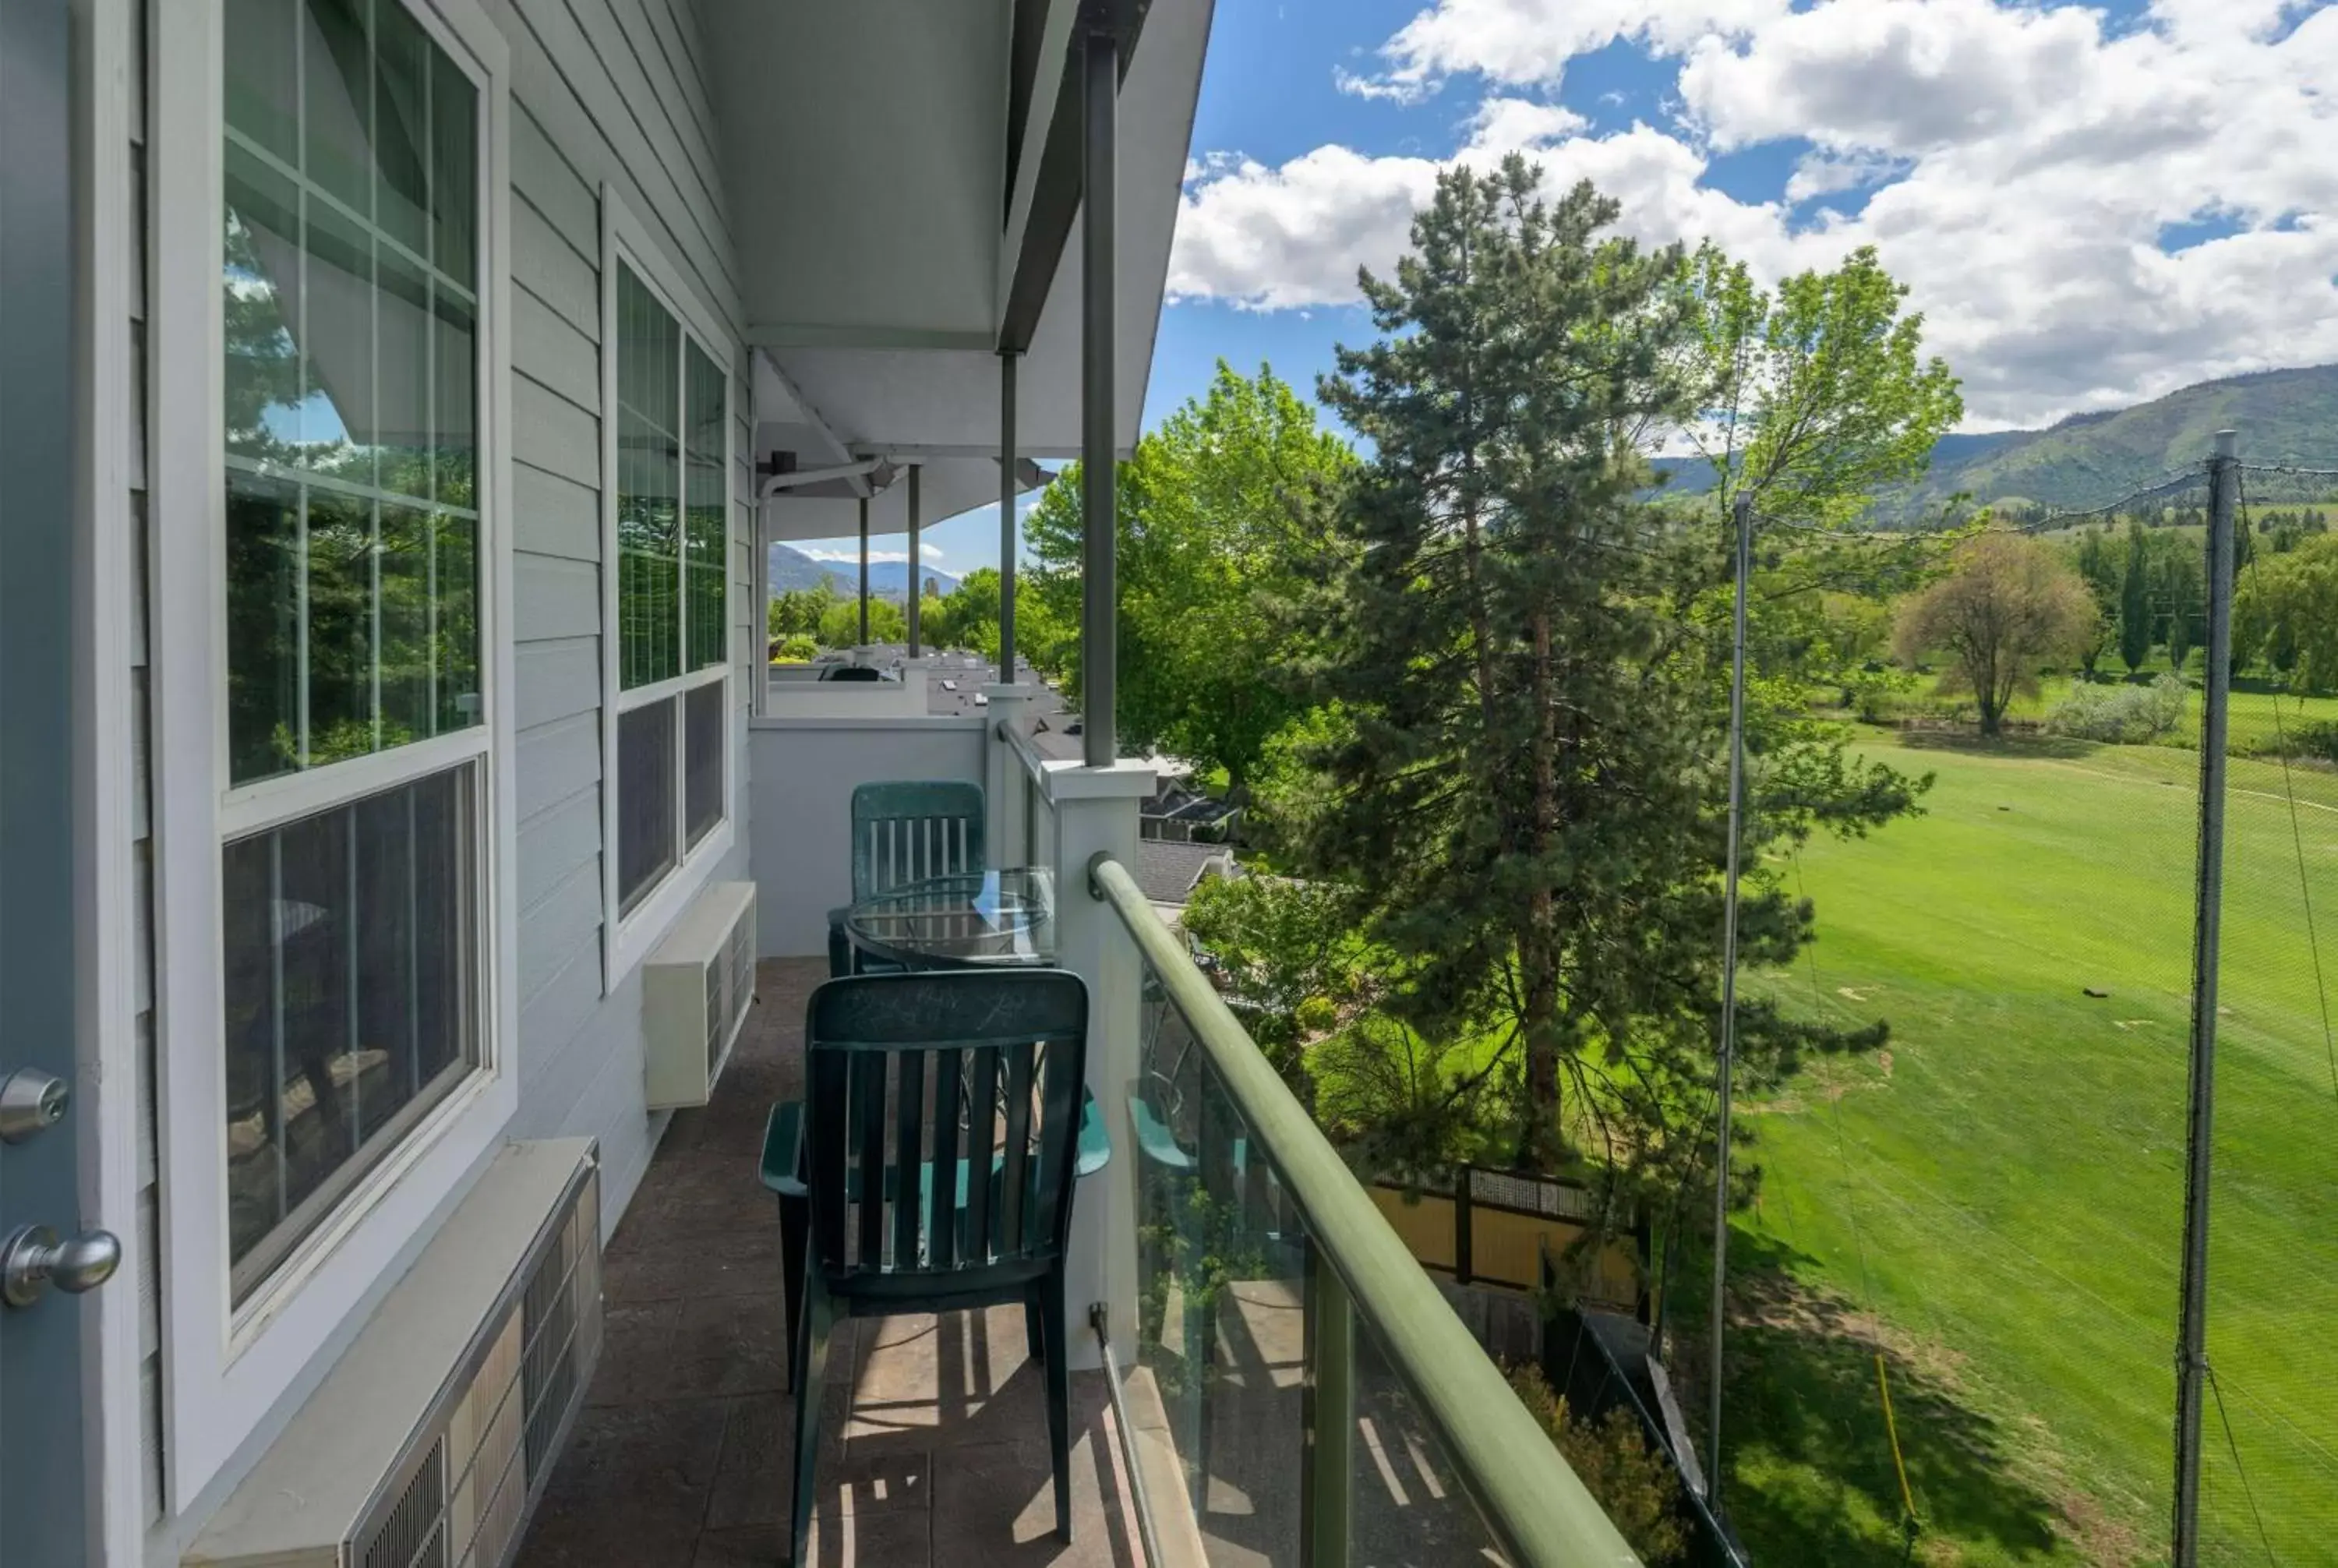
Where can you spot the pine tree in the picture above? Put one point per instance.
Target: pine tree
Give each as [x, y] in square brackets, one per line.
[1526, 793]
[2134, 602]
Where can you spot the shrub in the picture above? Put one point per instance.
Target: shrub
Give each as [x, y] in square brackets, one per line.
[2316, 739]
[2130, 715]
[1637, 1486]
[795, 649]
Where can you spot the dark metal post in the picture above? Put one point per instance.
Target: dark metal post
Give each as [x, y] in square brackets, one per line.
[2192, 1332]
[1744, 520]
[1010, 536]
[864, 571]
[917, 560]
[1465, 1225]
[1098, 601]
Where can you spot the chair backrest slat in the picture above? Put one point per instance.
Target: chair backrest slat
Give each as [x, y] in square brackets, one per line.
[869, 1097]
[911, 830]
[1009, 1052]
[982, 1109]
[941, 1215]
[909, 1155]
[1015, 1174]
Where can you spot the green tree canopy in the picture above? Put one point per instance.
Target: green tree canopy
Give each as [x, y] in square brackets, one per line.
[1212, 542]
[1525, 785]
[2011, 602]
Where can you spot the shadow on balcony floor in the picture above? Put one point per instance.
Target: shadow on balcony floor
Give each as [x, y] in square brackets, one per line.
[934, 1434]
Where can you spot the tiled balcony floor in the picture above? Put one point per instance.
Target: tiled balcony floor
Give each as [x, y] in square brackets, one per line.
[933, 1436]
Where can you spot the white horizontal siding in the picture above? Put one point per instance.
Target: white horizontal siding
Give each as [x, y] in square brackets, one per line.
[606, 92]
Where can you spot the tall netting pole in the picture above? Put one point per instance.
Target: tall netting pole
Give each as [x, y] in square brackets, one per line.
[2192, 1332]
[1744, 519]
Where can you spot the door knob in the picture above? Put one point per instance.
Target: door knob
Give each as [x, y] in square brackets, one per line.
[32, 1260]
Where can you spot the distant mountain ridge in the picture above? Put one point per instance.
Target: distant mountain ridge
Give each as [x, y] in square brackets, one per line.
[2092, 459]
[791, 569]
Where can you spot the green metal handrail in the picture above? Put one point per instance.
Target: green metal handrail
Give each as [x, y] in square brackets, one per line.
[1529, 1497]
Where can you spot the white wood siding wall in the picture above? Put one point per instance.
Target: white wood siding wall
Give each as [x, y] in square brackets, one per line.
[613, 91]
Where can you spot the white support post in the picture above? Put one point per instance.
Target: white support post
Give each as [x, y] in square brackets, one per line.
[1096, 812]
[1005, 779]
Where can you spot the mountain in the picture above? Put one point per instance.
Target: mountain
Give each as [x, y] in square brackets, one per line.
[792, 569]
[2091, 459]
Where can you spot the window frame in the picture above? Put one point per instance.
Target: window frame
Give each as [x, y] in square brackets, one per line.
[629, 935]
[227, 1366]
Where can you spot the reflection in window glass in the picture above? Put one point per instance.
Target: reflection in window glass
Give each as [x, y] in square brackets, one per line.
[649, 453]
[702, 784]
[351, 999]
[707, 410]
[351, 295]
[645, 803]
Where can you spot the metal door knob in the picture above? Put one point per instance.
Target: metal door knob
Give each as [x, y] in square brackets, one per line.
[32, 1260]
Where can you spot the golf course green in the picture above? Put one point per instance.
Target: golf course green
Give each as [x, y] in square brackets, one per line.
[1994, 1204]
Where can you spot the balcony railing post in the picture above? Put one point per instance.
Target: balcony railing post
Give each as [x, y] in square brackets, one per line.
[1328, 1417]
[1004, 778]
[1095, 813]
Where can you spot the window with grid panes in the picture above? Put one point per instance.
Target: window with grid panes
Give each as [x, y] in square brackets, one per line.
[350, 288]
[671, 506]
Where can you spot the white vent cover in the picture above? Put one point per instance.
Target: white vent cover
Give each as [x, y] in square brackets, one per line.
[696, 989]
[501, 1316]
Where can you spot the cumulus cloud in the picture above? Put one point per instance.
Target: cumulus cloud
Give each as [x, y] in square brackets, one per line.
[2016, 164]
[849, 555]
[1521, 42]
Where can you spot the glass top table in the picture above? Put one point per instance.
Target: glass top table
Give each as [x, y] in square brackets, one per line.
[1004, 917]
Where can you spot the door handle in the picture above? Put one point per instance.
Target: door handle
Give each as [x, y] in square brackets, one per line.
[32, 1260]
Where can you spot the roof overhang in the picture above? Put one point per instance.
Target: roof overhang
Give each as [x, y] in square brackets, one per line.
[903, 179]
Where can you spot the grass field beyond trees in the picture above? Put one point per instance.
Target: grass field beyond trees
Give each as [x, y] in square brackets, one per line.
[1996, 1203]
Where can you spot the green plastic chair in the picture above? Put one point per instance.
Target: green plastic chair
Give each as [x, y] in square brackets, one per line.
[989, 1217]
[903, 831]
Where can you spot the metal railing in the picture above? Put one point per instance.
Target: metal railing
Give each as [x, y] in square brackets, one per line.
[1283, 1319]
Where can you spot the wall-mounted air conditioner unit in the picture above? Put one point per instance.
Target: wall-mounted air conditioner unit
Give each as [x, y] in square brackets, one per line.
[429, 1443]
[695, 989]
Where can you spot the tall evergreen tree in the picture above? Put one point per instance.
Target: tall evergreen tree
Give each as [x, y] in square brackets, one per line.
[2134, 602]
[1525, 790]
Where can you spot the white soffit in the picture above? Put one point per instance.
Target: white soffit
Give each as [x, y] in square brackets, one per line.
[859, 284]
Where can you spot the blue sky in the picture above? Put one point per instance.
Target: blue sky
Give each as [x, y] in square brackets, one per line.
[2092, 205]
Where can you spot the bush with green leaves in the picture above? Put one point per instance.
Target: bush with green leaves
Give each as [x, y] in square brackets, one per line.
[795, 649]
[2123, 714]
[1637, 1486]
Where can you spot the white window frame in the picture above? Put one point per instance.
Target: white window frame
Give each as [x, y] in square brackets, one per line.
[628, 937]
[228, 1366]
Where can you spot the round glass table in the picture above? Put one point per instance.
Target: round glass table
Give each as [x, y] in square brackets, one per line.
[963, 922]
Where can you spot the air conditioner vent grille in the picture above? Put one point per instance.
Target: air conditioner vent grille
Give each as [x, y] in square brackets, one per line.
[493, 1447]
[414, 1534]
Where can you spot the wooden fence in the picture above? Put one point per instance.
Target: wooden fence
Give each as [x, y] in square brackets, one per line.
[1498, 1228]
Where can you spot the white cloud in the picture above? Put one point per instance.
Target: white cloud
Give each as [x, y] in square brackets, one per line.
[2020, 163]
[851, 556]
[1521, 42]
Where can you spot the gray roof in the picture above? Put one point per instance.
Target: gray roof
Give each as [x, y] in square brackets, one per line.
[1168, 872]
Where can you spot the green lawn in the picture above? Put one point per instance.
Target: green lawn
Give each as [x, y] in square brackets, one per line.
[2003, 1192]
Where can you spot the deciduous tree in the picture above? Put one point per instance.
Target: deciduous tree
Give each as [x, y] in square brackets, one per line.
[2011, 603]
[1212, 510]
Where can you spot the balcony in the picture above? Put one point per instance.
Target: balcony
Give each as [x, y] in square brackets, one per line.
[1270, 1377]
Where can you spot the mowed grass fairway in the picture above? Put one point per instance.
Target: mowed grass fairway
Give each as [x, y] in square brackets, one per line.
[1997, 1205]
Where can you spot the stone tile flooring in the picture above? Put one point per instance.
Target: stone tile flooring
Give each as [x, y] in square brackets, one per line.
[933, 1435]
